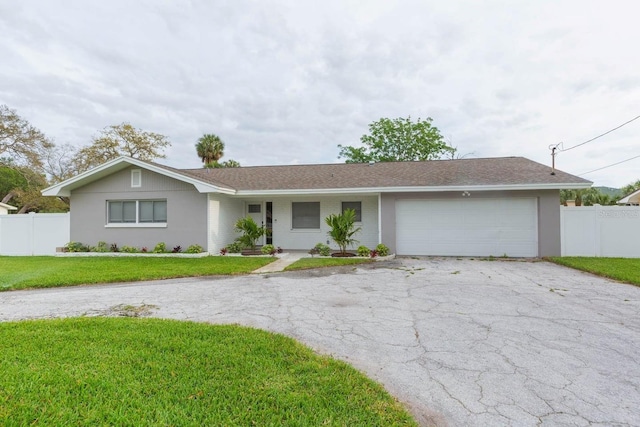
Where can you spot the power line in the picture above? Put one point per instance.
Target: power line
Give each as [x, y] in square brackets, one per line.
[601, 135]
[604, 167]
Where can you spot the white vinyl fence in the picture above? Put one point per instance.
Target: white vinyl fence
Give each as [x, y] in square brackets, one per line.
[607, 231]
[33, 234]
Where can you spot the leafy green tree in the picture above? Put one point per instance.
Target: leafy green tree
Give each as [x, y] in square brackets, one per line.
[343, 229]
[19, 140]
[21, 186]
[600, 198]
[251, 232]
[210, 149]
[11, 181]
[121, 140]
[586, 197]
[401, 139]
[226, 164]
[230, 164]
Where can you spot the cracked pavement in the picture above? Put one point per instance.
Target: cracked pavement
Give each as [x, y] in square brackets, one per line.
[461, 342]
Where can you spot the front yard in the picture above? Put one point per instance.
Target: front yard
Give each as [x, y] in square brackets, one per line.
[307, 263]
[48, 271]
[115, 371]
[622, 269]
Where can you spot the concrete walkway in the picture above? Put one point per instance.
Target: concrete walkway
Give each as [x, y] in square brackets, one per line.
[460, 342]
[284, 260]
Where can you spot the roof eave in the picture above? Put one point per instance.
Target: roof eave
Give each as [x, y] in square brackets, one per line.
[627, 199]
[8, 207]
[411, 189]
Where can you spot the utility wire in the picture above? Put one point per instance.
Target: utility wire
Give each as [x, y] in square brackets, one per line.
[599, 136]
[604, 167]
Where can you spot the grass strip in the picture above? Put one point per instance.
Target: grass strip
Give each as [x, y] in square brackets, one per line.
[50, 271]
[622, 269]
[152, 372]
[307, 263]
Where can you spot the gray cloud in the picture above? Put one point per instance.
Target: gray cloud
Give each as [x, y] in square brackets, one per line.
[286, 82]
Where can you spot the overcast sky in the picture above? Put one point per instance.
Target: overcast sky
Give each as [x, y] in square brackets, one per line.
[285, 82]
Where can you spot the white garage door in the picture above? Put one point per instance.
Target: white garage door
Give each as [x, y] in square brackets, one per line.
[467, 227]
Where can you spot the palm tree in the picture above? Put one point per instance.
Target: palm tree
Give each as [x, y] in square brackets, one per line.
[251, 232]
[342, 229]
[210, 149]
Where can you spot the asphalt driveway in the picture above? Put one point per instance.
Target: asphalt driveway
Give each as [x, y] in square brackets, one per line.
[462, 342]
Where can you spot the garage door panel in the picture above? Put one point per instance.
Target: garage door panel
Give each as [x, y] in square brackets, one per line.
[469, 227]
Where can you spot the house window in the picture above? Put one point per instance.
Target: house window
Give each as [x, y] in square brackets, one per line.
[356, 206]
[136, 211]
[122, 211]
[153, 210]
[136, 178]
[305, 215]
[254, 208]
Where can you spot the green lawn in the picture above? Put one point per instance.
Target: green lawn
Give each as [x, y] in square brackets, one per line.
[622, 269]
[306, 263]
[49, 271]
[151, 372]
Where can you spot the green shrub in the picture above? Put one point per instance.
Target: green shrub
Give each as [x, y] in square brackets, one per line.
[76, 247]
[160, 248]
[129, 249]
[194, 249]
[363, 251]
[100, 247]
[382, 250]
[235, 247]
[268, 250]
[322, 249]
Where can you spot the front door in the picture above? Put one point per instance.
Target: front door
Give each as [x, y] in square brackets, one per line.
[269, 223]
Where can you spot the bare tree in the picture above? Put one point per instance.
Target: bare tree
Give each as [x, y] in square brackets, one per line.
[121, 140]
[19, 140]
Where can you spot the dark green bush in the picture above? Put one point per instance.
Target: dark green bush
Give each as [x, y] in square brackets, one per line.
[382, 249]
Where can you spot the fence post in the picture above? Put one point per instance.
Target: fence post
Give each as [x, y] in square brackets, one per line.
[597, 230]
[562, 231]
[32, 230]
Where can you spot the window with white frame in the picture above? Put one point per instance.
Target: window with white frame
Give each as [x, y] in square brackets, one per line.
[136, 211]
[305, 215]
[356, 206]
[152, 211]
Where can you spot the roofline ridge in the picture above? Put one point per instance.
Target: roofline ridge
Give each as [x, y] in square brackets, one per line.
[362, 163]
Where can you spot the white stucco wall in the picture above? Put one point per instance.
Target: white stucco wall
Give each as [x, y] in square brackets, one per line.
[288, 238]
[223, 213]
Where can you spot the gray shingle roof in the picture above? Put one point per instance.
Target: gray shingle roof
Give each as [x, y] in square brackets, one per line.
[505, 171]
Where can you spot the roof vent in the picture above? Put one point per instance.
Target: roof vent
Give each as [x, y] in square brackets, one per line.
[371, 163]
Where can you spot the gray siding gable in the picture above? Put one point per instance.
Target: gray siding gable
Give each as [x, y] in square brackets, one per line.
[186, 211]
[120, 182]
